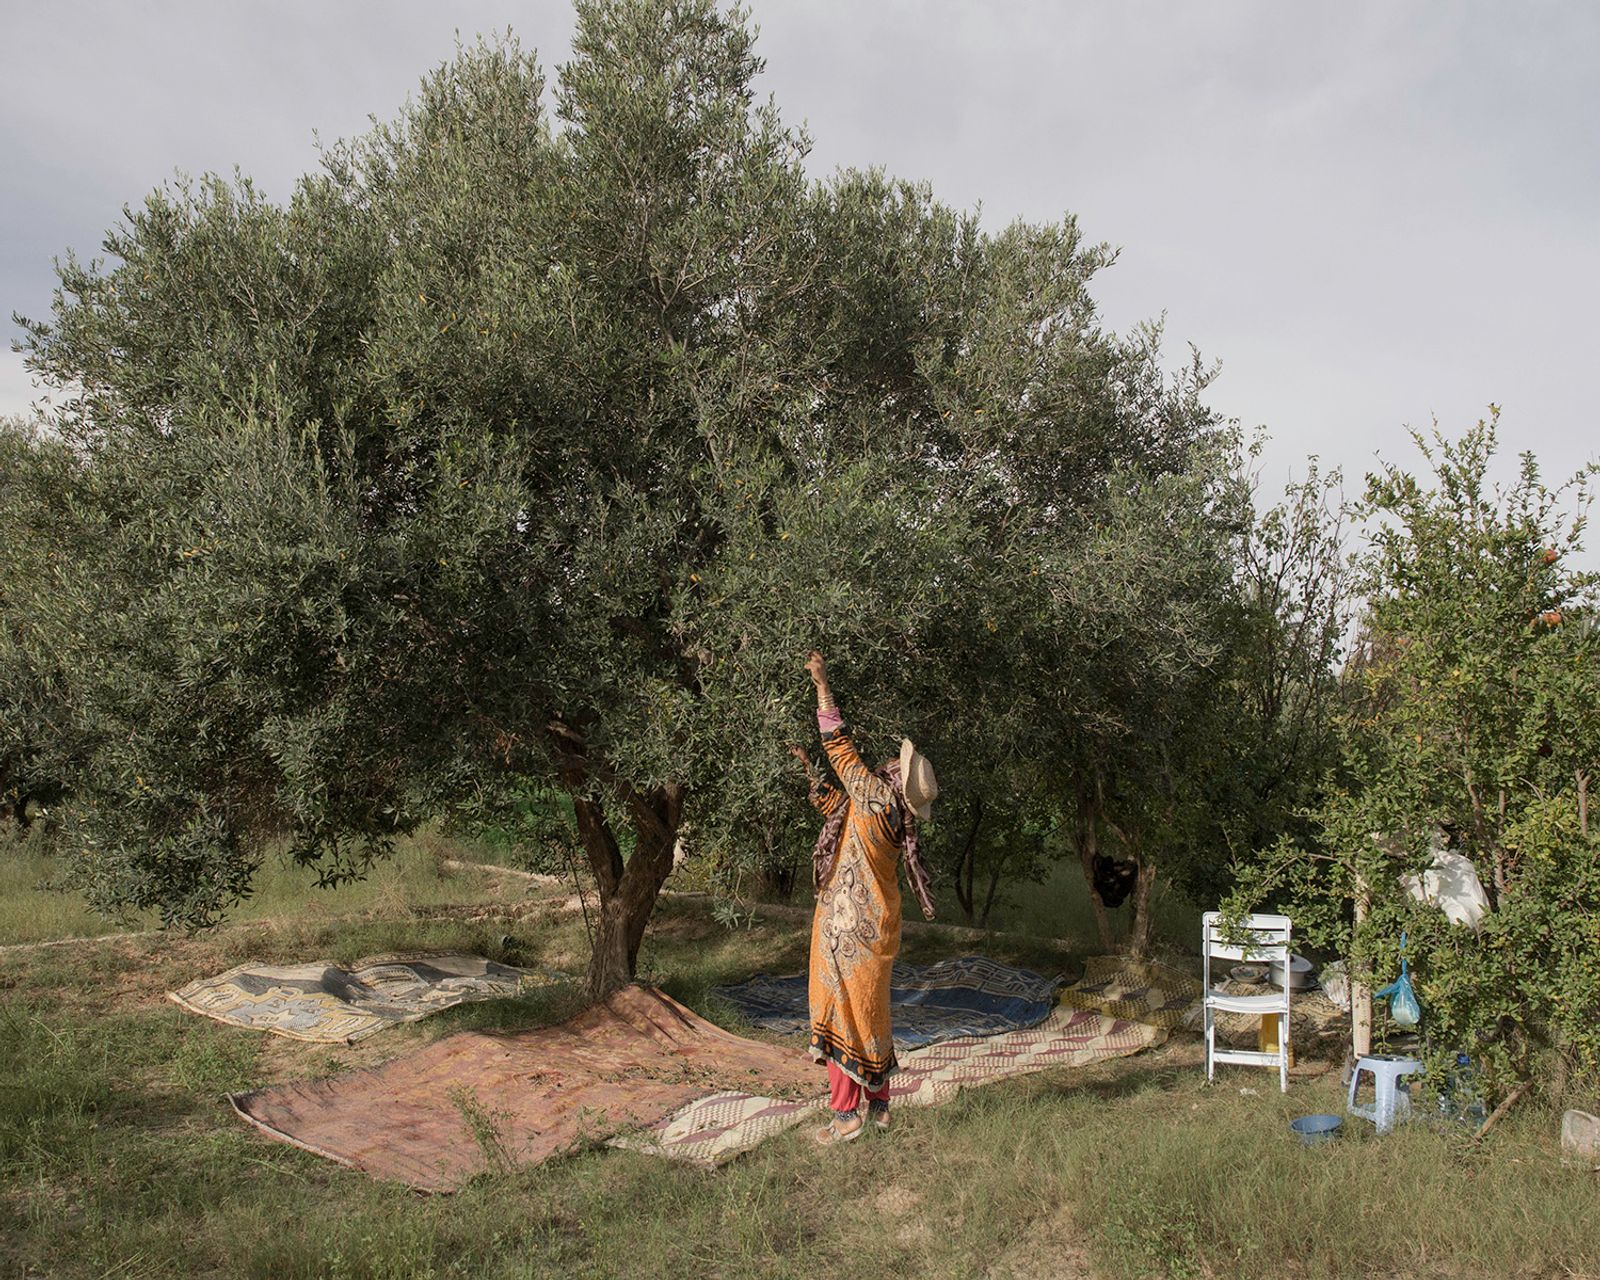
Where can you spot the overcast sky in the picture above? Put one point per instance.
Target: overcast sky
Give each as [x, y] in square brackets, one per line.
[1372, 214]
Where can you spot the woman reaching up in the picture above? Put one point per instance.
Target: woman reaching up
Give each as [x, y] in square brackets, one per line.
[869, 820]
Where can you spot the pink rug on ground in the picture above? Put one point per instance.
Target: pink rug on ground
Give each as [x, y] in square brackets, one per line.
[475, 1101]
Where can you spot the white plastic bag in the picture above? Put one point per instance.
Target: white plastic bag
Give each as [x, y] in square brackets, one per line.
[1452, 885]
[1336, 984]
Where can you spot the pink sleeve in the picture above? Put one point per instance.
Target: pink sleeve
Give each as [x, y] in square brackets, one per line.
[829, 720]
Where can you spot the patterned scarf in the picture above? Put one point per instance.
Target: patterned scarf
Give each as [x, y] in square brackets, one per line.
[825, 856]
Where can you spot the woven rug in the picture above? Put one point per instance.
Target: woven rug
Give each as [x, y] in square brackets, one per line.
[1067, 1038]
[710, 1131]
[1138, 990]
[480, 1101]
[964, 996]
[326, 1003]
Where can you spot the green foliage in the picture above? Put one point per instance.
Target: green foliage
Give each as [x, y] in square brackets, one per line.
[532, 442]
[535, 825]
[1257, 739]
[36, 743]
[1468, 719]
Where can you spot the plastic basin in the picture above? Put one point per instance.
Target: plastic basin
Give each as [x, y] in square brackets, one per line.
[1315, 1130]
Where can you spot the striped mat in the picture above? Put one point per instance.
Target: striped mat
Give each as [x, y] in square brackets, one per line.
[1139, 990]
[712, 1130]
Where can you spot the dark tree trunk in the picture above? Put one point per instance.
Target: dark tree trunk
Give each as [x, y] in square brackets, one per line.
[965, 865]
[775, 883]
[628, 890]
[626, 905]
[995, 869]
[1140, 936]
[1088, 841]
[780, 872]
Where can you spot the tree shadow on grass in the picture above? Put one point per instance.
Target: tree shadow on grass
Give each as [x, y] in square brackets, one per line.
[1147, 1077]
[538, 1007]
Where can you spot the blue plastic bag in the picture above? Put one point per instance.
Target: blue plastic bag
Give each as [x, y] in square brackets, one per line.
[1403, 1005]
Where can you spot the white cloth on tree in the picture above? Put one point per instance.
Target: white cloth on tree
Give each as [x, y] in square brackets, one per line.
[1452, 885]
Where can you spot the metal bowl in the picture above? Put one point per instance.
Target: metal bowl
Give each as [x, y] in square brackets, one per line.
[1313, 1131]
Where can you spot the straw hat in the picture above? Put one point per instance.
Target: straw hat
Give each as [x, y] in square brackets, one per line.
[917, 779]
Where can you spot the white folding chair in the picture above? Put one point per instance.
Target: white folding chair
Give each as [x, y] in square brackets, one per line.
[1263, 939]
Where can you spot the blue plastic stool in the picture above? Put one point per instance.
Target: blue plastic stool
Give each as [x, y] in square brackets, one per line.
[1391, 1100]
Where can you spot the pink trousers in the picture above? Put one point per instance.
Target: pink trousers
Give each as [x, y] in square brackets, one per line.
[845, 1094]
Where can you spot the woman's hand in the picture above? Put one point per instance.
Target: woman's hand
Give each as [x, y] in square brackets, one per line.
[819, 677]
[818, 668]
[800, 754]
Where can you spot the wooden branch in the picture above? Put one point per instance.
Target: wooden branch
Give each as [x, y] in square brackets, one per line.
[646, 815]
[1511, 1100]
[566, 731]
[1360, 992]
[1583, 802]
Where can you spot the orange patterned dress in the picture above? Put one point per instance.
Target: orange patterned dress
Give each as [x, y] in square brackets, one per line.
[855, 933]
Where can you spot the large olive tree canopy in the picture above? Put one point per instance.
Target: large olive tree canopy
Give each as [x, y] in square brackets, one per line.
[538, 435]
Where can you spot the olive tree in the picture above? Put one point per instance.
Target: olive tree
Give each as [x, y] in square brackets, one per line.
[36, 740]
[530, 444]
[411, 482]
[1143, 600]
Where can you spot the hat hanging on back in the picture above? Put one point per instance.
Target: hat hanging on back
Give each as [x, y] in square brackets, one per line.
[917, 779]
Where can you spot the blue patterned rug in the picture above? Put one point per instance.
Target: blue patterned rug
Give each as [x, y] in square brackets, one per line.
[966, 996]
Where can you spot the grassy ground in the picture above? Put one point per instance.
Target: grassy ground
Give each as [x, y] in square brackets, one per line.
[119, 1156]
[33, 910]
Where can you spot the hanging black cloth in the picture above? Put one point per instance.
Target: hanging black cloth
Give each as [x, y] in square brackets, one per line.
[1114, 880]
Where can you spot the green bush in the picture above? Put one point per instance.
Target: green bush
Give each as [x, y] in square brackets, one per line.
[1468, 721]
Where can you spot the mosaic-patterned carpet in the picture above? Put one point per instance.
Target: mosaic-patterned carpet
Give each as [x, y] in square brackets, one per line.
[964, 996]
[710, 1131]
[325, 1003]
[434, 1118]
[1151, 992]
[1138, 990]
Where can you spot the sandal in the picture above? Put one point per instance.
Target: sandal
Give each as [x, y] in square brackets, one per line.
[879, 1116]
[831, 1134]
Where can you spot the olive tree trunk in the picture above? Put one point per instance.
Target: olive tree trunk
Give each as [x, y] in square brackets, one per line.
[965, 866]
[1088, 842]
[628, 890]
[1139, 936]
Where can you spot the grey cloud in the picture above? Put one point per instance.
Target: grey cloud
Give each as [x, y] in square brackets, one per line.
[1369, 212]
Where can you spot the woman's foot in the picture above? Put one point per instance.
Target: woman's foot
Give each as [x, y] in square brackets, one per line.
[878, 1113]
[845, 1128]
